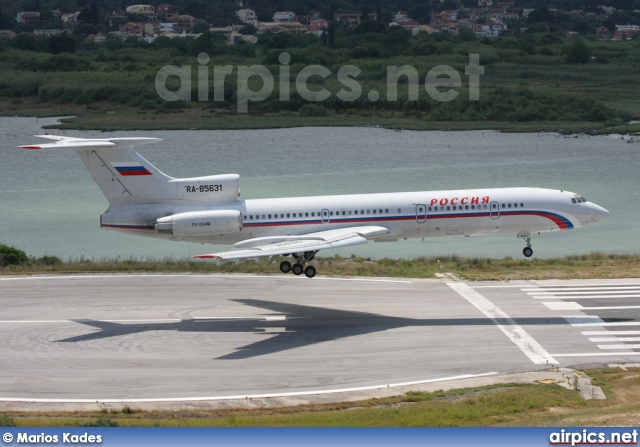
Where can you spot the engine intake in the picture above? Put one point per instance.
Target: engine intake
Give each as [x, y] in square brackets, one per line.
[201, 223]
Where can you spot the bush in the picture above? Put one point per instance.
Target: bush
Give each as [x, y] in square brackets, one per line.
[313, 110]
[102, 422]
[7, 421]
[12, 256]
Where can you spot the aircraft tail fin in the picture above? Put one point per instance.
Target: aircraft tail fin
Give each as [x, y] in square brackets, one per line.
[122, 174]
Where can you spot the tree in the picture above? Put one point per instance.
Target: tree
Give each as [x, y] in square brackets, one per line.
[364, 14]
[421, 12]
[200, 26]
[62, 43]
[370, 26]
[578, 53]
[541, 14]
[11, 256]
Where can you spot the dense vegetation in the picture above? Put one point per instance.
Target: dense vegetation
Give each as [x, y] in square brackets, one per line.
[539, 75]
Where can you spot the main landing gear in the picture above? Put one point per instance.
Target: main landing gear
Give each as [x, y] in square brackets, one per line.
[298, 268]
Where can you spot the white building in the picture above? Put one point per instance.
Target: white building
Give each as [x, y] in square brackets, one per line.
[284, 17]
[141, 9]
[247, 16]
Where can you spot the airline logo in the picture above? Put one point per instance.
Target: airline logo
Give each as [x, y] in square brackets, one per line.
[129, 169]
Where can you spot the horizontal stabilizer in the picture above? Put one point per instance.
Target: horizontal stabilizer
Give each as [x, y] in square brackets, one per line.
[90, 143]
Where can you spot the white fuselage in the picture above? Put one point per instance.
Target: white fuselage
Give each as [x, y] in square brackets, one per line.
[521, 211]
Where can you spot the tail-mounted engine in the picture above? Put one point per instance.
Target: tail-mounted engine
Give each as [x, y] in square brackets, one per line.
[201, 223]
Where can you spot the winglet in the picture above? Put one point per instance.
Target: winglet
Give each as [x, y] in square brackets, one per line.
[205, 256]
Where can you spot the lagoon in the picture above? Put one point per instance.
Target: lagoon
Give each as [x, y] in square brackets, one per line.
[50, 204]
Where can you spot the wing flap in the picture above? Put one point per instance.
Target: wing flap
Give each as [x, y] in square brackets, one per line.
[283, 245]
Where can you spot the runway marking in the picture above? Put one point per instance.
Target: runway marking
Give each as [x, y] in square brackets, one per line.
[597, 354]
[606, 339]
[585, 321]
[527, 344]
[583, 292]
[618, 346]
[610, 332]
[151, 320]
[570, 305]
[209, 276]
[573, 289]
[251, 396]
[583, 297]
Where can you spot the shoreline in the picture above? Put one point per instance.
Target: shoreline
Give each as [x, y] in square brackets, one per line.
[110, 117]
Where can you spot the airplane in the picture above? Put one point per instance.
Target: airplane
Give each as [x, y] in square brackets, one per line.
[144, 201]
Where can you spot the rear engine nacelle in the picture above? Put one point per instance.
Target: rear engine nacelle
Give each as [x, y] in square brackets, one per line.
[201, 223]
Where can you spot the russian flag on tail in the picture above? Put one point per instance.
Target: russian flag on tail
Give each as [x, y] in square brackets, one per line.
[130, 168]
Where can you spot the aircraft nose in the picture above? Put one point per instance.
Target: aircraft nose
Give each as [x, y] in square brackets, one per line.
[598, 213]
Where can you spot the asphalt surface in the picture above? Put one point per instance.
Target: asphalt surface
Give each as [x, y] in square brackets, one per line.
[195, 340]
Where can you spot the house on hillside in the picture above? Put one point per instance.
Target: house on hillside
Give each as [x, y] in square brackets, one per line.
[284, 17]
[247, 16]
[353, 18]
[166, 10]
[28, 18]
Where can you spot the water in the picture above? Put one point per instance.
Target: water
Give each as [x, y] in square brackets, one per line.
[50, 204]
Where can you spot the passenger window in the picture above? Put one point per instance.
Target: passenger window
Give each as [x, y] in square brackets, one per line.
[356, 211]
[374, 211]
[288, 215]
[386, 211]
[429, 208]
[331, 213]
[368, 211]
[466, 207]
[399, 210]
[448, 208]
[344, 213]
[509, 205]
[245, 217]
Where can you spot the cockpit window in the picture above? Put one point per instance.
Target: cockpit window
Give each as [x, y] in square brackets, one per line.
[578, 199]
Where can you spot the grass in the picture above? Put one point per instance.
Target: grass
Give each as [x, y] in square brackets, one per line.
[595, 265]
[113, 117]
[496, 405]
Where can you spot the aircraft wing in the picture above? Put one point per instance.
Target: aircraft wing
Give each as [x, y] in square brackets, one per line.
[284, 245]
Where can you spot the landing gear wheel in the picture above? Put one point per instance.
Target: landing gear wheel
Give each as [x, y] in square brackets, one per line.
[527, 251]
[296, 269]
[310, 271]
[285, 266]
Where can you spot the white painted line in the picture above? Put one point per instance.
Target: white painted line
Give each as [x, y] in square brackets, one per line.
[218, 319]
[251, 396]
[569, 305]
[203, 276]
[527, 344]
[610, 332]
[563, 286]
[610, 307]
[80, 320]
[562, 305]
[608, 339]
[583, 292]
[584, 320]
[596, 323]
[619, 346]
[598, 354]
[569, 289]
[583, 297]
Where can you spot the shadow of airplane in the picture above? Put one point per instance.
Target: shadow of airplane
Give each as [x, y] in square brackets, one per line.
[300, 325]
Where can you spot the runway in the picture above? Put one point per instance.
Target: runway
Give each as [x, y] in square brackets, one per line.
[188, 338]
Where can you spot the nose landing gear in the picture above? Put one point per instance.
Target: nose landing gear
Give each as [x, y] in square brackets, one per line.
[527, 251]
